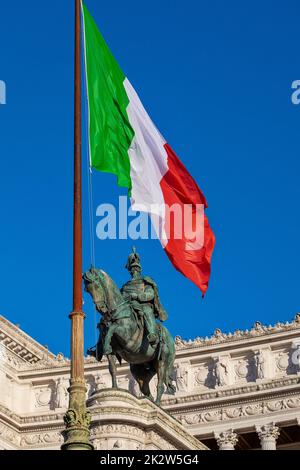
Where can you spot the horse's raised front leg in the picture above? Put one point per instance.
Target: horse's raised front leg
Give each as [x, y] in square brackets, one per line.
[107, 341]
[113, 370]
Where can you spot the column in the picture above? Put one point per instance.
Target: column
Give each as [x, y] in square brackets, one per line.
[268, 435]
[226, 440]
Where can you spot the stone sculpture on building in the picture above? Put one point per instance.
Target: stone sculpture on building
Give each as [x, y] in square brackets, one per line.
[220, 372]
[260, 365]
[61, 395]
[181, 377]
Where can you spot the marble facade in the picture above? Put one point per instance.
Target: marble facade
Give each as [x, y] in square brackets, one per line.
[237, 390]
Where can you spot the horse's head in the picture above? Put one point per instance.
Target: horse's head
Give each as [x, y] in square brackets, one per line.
[94, 284]
[102, 289]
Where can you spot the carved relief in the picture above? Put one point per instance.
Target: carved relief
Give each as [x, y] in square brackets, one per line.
[260, 364]
[117, 437]
[233, 413]
[90, 386]
[117, 429]
[181, 377]
[43, 396]
[201, 376]
[221, 372]
[275, 405]
[9, 358]
[9, 435]
[241, 369]
[244, 370]
[252, 410]
[212, 416]
[293, 403]
[285, 363]
[100, 382]
[61, 394]
[41, 439]
[240, 412]
[282, 362]
[189, 419]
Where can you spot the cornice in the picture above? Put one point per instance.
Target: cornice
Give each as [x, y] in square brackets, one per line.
[21, 344]
[258, 331]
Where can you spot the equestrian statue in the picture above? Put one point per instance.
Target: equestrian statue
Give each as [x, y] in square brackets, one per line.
[129, 329]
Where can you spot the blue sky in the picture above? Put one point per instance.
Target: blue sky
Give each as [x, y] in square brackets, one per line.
[216, 78]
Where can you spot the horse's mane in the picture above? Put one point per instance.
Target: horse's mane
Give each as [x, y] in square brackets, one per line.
[111, 288]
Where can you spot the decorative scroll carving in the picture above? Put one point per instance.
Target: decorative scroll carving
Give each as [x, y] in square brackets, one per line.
[41, 439]
[240, 411]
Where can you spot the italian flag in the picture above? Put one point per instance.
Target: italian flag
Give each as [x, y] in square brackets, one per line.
[124, 141]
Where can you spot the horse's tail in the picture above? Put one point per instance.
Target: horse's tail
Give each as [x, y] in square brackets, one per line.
[168, 351]
[171, 389]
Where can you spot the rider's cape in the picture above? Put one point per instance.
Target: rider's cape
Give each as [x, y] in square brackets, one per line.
[159, 310]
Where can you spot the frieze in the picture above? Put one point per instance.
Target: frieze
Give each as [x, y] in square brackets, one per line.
[108, 429]
[240, 411]
[44, 439]
[9, 435]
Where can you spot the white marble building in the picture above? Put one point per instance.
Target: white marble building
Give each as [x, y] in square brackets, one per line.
[234, 391]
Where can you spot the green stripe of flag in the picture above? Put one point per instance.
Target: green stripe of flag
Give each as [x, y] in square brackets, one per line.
[110, 132]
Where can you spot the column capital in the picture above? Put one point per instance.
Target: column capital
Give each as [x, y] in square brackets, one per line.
[226, 440]
[268, 435]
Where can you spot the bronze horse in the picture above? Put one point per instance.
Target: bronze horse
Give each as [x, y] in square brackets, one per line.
[122, 335]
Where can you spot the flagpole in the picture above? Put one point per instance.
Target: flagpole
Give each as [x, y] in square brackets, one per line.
[77, 418]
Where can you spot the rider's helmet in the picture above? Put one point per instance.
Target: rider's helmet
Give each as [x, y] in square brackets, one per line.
[133, 261]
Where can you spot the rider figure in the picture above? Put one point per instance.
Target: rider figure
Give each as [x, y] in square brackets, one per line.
[143, 295]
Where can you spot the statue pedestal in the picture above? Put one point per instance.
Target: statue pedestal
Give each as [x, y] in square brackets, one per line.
[123, 422]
